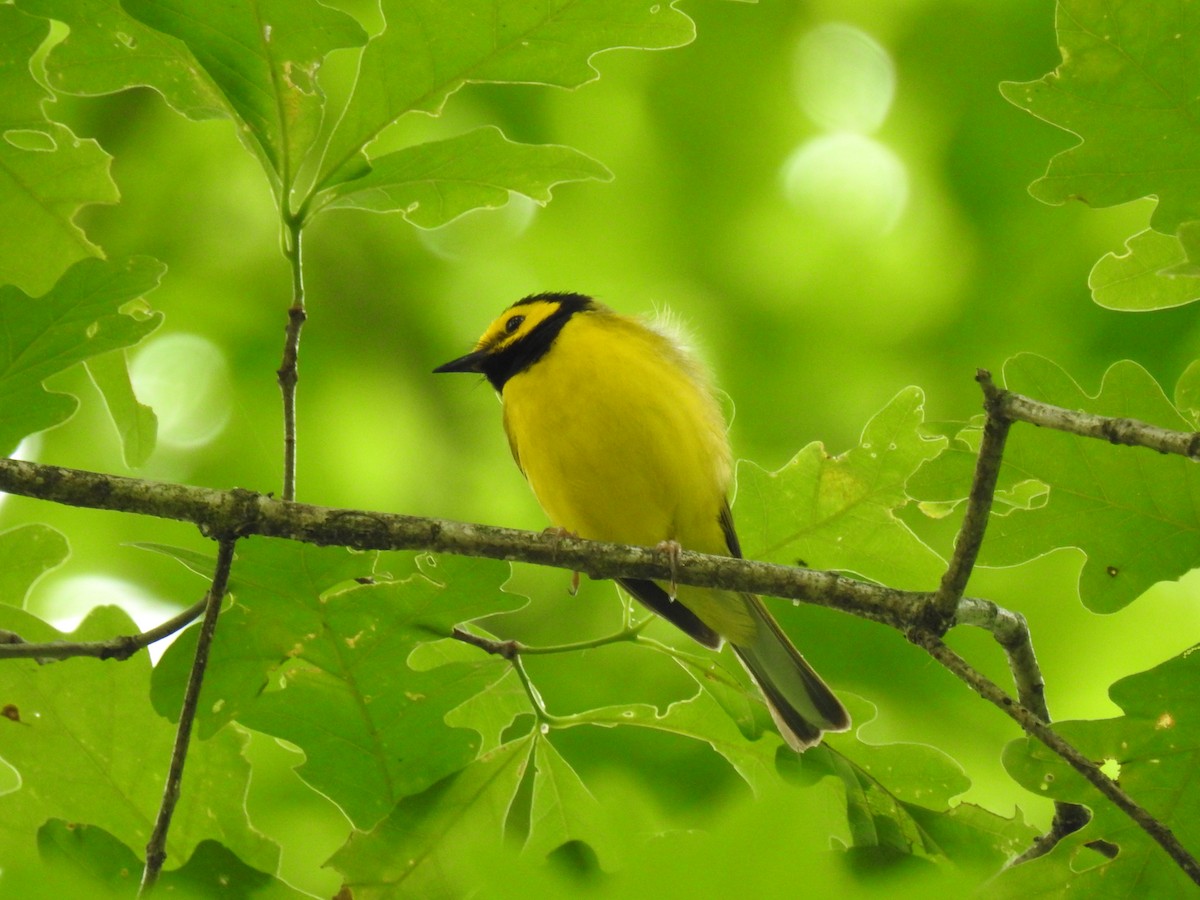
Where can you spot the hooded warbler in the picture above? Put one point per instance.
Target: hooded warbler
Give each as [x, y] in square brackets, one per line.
[615, 426]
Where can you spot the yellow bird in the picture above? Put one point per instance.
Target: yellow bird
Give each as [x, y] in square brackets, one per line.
[615, 426]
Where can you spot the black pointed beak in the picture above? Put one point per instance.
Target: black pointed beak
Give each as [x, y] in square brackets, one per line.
[472, 362]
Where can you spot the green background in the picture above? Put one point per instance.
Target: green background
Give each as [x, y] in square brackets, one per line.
[811, 324]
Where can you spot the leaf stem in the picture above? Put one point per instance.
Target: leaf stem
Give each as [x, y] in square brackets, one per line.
[288, 373]
[156, 847]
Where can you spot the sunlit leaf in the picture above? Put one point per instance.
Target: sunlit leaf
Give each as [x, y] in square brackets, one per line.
[263, 55]
[89, 748]
[1187, 393]
[1126, 87]
[838, 512]
[107, 50]
[430, 49]
[136, 422]
[78, 319]
[1141, 279]
[1155, 748]
[46, 173]
[26, 553]
[432, 183]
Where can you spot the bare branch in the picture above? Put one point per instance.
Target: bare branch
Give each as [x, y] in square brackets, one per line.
[156, 847]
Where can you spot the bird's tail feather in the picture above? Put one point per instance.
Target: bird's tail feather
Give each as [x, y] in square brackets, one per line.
[801, 704]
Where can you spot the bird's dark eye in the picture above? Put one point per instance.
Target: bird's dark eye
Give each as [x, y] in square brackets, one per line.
[513, 323]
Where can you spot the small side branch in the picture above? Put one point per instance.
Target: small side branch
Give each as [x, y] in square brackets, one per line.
[121, 647]
[940, 614]
[1130, 432]
[156, 847]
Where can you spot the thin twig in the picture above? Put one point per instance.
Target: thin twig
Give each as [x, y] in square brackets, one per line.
[940, 614]
[13, 646]
[289, 368]
[156, 847]
[1038, 729]
[1115, 430]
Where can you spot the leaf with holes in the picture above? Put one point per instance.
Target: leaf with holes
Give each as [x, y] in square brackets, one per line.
[1154, 751]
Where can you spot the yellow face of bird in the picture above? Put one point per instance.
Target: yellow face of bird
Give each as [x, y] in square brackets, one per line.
[520, 336]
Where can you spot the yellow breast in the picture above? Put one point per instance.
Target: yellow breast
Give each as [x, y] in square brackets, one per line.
[620, 437]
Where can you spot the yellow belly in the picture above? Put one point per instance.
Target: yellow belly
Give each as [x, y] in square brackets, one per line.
[619, 442]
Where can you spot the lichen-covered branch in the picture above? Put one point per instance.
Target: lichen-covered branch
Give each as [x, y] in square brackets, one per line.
[244, 513]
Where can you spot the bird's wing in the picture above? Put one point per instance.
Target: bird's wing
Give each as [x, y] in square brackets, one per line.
[657, 600]
[726, 520]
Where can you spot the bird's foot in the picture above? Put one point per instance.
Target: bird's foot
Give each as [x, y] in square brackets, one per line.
[671, 549]
[559, 533]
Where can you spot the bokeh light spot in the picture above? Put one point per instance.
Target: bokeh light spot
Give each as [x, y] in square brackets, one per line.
[185, 379]
[849, 181]
[845, 80]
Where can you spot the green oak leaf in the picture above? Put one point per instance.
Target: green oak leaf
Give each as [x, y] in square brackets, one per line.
[80, 318]
[1154, 749]
[28, 552]
[433, 183]
[1142, 278]
[87, 723]
[700, 717]
[302, 656]
[1126, 87]
[1132, 512]
[838, 512]
[107, 50]
[263, 55]
[563, 810]
[415, 851]
[430, 49]
[1187, 393]
[46, 173]
[84, 860]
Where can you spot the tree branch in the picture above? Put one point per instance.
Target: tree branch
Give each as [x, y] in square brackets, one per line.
[243, 513]
[156, 847]
[1130, 432]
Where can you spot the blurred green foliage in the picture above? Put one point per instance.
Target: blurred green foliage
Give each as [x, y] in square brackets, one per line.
[813, 319]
